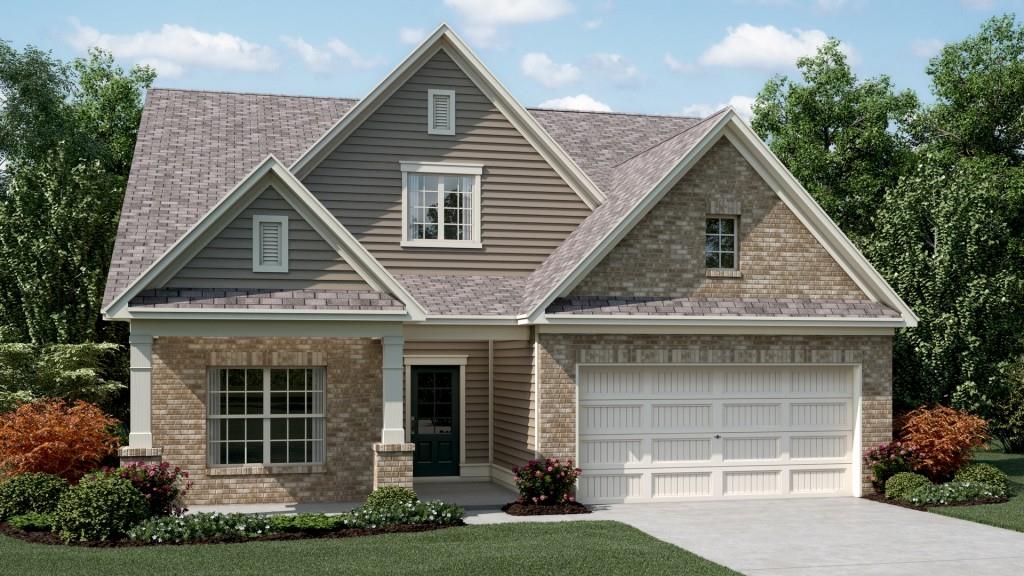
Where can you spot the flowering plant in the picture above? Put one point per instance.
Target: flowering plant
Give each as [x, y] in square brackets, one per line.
[546, 482]
[162, 486]
[887, 460]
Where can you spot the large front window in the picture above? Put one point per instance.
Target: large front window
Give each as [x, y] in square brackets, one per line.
[266, 416]
[441, 205]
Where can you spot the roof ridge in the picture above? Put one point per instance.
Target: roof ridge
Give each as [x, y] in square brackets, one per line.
[248, 93]
[672, 137]
[613, 113]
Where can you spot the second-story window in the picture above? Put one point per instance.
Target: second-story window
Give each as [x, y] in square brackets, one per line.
[720, 243]
[441, 204]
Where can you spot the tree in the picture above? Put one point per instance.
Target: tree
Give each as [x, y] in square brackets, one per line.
[67, 133]
[978, 85]
[838, 135]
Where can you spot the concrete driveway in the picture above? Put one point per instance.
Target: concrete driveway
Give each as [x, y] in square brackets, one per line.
[834, 536]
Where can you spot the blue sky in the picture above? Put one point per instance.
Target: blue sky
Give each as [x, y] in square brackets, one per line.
[652, 56]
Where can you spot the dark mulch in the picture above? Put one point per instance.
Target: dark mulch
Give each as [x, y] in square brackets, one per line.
[517, 509]
[881, 498]
[53, 538]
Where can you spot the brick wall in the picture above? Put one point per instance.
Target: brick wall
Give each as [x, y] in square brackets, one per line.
[663, 256]
[353, 416]
[560, 353]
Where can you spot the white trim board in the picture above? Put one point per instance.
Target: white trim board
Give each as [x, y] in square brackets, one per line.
[732, 127]
[444, 38]
[271, 170]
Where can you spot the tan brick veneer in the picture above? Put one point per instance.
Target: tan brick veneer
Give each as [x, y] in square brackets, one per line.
[353, 416]
[392, 465]
[663, 255]
[560, 353]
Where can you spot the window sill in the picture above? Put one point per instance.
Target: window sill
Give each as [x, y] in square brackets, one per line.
[441, 244]
[265, 470]
[723, 273]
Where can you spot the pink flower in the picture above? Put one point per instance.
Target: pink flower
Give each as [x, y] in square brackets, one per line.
[550, 468]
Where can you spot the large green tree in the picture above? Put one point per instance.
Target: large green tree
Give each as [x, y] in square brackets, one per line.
[839, 135]
[67, 133]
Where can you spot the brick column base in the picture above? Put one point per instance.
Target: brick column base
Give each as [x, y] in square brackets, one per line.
[127, 455]
[392, 464]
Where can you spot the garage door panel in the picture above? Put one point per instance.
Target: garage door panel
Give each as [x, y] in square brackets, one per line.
[751, 416]
[751, 482]
[671, 382]
[681, 417]
[821, 415]
[681, 485]
[611, 451]
[822, 381]
[611, 487]
[828, 481]
[669, 450]
[819, 446]
[623, 382]
[754, 382]
[751, 448]
[609, 418]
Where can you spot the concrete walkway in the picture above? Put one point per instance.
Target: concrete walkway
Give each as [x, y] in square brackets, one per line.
[834, 536]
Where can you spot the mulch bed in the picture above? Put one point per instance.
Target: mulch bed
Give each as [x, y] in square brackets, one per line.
[881, 498]
[52, 538]
[517, 509]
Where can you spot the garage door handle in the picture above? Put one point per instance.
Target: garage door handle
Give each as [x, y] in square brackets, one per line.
[717, 436]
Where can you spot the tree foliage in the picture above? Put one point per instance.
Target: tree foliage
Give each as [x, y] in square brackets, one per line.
[67, 133]
[837, 134]
[67, 371]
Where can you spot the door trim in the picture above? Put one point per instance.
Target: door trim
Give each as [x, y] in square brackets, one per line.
[856, 471]
[446, 360]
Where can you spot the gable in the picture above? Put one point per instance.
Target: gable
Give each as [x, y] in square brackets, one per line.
[226, 261]
[527, 208]
[663, 255]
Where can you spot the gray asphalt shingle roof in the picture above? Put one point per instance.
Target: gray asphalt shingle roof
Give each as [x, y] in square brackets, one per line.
[788, 307]
[194, 146]
[265, 299]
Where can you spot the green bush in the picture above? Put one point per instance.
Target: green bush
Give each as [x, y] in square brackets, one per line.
[984, 474]
[434, 513]
[901, 485]
[388, 496]
[953, 493]
[199, 527]
[100, 507]
[308, 522]
[30, 492]
[32, 522]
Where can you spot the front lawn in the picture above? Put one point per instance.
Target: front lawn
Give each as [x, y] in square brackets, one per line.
[525, 548]
[1006, 515]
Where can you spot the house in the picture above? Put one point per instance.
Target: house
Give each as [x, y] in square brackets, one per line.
[434, 282]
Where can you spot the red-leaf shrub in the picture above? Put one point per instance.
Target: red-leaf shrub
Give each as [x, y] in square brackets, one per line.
[161, 485]
[56, 438]
[546, 482]
[941, 439]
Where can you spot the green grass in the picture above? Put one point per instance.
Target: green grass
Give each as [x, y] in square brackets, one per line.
[1006, 515]
[527, 548]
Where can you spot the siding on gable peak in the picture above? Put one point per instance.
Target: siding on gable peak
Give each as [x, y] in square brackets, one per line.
[227, 260]
[527, 209]
[663, 255]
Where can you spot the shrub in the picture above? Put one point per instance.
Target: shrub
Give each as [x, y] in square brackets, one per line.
[100, 507]
[198, 527]
[56, 438]
[161, 485]
[982, 473]
[307, 522]
[387, 496]
[433, 513]
[546, 482]
[886, 460]
[953, 493]
[941, 439]
[31, 492]
[32, 522]
[900, 485]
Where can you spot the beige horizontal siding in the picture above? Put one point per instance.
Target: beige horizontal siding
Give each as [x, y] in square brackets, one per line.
[226, 261]
[476, 424]
[514, 403]
[527, 209]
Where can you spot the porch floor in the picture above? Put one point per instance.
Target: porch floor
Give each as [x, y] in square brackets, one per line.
[469, 495]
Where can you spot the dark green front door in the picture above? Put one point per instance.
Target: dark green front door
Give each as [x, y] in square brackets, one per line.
[435, 420]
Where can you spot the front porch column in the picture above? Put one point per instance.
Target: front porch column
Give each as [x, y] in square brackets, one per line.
[392, 456]
[140, 434]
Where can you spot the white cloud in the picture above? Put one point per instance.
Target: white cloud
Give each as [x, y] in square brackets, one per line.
[174, 48]
[743, 105]
[926, 48]
[412, 35]
[163, 68]
[765, 47]
[321, 59]
[675, 65]
[541, 68]
[592, 24]
[618, 68]
[484, 17]
[578, 102]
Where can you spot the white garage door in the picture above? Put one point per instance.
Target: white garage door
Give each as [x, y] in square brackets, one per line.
[690, 432]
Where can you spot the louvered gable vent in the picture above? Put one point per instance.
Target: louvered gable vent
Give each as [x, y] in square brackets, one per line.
[441, 112]
[270, 244]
